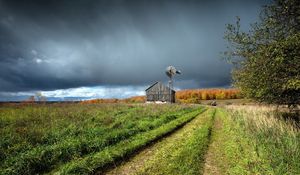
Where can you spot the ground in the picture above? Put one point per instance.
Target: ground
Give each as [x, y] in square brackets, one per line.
[211, 159]
[166, 149]
[147, 139]
[230, 148]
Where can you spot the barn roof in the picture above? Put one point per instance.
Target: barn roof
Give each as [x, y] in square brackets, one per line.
[155, 84]
[152, 85]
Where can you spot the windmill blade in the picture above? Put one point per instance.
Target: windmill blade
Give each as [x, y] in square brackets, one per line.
[178, 72]
[169, 74]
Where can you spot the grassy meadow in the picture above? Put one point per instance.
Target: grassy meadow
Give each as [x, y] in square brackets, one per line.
[253, 140]
[274, 141]
[38, 139]
[147, 139]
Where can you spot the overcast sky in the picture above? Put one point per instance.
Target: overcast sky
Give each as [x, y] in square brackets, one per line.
[114, 48]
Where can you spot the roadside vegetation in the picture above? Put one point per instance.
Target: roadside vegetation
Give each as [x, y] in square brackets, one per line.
[39, 138]
[253, 140]
[276, 140]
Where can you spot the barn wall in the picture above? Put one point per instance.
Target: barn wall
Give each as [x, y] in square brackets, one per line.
[159, 92]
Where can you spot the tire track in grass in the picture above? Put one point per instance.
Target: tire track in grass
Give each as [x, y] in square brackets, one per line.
[232, 151]
[106, 158]
[180, 153]
[212, 159]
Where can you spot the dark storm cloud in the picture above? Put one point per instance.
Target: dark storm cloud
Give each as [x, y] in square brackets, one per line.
[53, 44]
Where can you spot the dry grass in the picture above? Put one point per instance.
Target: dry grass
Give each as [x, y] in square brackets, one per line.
[265, 117]
[276, 138]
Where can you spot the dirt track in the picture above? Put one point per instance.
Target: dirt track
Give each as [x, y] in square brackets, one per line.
[148, 158]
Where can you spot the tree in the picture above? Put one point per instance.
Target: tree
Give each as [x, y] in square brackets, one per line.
[266, 59]
[40, 97]
[30, 99]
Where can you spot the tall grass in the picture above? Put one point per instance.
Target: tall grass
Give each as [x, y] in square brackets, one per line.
[277, 141]
[36, 139]
[91, 163]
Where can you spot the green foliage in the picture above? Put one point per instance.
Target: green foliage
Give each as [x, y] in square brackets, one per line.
[267, 58]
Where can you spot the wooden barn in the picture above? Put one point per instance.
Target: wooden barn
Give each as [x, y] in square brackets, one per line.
[159, 92]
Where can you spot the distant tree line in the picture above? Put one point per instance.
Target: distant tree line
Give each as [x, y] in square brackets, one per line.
[182, 96]
[197, 95]
[38, 97]
[135, 99]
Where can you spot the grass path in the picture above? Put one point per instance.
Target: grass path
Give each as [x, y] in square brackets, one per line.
[214, 159]
[181, 152]
[232, 150]
[211, 166]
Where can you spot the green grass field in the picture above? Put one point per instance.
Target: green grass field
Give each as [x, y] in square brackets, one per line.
[42, 138]
[146, 139]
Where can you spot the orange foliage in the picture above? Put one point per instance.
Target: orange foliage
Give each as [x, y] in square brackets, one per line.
[196, 95]
[135, 99]
[182, 96]
[111, 100]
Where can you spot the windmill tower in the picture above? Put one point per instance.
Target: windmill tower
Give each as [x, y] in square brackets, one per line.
[171, 72]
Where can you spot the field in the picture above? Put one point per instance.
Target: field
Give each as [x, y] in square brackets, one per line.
[146, 139]
[41, 138]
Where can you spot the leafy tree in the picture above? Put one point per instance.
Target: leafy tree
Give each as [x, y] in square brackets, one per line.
[267, 58]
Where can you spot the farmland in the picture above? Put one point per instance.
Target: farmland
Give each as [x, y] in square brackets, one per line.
[41, 138]
[146, 139]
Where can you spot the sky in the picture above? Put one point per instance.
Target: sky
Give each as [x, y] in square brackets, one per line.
[84, 49]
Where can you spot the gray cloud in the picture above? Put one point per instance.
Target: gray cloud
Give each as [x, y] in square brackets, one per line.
[48, 45]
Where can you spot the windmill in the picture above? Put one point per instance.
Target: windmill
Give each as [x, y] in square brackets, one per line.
[171, 71]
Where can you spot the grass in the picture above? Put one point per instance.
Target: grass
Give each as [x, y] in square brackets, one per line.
[183, 152]
[232, 149]
[94, 162]
[89, 138]
[224, 102]
[276, 141]
[40, 138]
[251, 140]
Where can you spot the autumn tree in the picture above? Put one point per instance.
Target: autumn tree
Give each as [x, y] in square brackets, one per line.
[267, 59]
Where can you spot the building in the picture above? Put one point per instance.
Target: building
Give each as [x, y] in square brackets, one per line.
[158, 92]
